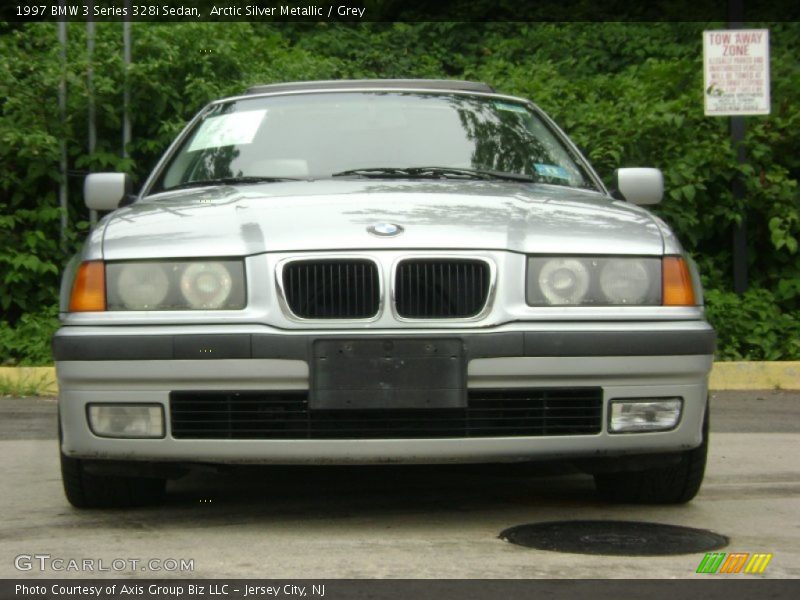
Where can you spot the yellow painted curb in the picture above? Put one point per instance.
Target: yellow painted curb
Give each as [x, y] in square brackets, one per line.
[755, 376]
[29, 381]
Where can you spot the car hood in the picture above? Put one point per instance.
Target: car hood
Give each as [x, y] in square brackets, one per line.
[335, 215]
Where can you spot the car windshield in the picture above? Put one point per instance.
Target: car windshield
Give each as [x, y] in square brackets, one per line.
[407, 135]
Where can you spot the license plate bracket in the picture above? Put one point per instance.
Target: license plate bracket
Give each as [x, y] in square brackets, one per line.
[388, 374]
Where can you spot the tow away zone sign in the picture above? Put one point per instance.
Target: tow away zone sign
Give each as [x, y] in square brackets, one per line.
[736, 72]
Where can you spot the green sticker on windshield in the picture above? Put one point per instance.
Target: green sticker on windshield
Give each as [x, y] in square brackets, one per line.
[508, 106]
[551, 171]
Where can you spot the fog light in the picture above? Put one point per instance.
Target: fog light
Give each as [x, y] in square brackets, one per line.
[127, 420]
[650, 414]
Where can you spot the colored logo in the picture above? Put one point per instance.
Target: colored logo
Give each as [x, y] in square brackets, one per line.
[715, 563]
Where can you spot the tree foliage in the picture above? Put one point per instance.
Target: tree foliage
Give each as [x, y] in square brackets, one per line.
[630, 94]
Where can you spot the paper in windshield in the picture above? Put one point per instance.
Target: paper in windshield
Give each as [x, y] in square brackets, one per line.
[228, 130]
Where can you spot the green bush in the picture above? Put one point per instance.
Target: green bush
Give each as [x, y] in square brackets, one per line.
[28, 341]
[752, 326]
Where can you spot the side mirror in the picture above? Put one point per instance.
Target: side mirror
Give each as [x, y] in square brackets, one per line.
[640, 185]
[106, 191]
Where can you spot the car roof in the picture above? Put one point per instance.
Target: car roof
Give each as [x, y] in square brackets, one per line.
[345, 84]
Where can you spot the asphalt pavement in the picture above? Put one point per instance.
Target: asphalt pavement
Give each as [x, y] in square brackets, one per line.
[394, 522]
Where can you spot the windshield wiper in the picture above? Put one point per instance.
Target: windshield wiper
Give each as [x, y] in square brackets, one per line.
[476, 173]
[433, 173]
[229, 181]
[376, 173]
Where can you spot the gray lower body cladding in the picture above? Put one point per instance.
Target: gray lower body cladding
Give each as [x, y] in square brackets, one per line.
[546, 370]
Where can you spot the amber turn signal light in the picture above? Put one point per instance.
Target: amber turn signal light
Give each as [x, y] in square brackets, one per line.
[89, 288]
[676, 282]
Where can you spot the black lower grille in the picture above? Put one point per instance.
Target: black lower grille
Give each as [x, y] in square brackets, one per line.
[332, 289]
[441, 288]
[285, 415]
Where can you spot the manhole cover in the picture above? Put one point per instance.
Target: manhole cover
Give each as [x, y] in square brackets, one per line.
[622, 538]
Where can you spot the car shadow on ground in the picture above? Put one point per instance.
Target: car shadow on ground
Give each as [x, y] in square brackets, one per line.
[336, 491]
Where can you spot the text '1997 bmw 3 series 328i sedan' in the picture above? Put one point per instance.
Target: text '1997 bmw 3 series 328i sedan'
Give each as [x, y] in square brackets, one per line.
[361, 272]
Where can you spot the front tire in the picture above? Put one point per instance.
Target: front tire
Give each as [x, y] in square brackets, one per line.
[88, 490]
[674, 484]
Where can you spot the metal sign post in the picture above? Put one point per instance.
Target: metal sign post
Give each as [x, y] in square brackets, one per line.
[740, 282]
[126, 93]
[63, 189]
[91, 116]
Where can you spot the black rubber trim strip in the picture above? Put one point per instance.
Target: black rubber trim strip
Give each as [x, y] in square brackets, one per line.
[612, 343]
[114, 347]
[298, 347]
[281, 346]
[192, 347]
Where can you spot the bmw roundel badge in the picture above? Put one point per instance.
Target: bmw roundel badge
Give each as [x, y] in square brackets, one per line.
[385, 229]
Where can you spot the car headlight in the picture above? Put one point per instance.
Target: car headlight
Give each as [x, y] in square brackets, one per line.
[625, 281]
[564, 281]
[142, 286]
[570, 281]
[206, 285]
[175, 285]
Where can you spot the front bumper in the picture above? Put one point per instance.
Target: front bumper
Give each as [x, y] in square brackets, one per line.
[107, 365]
